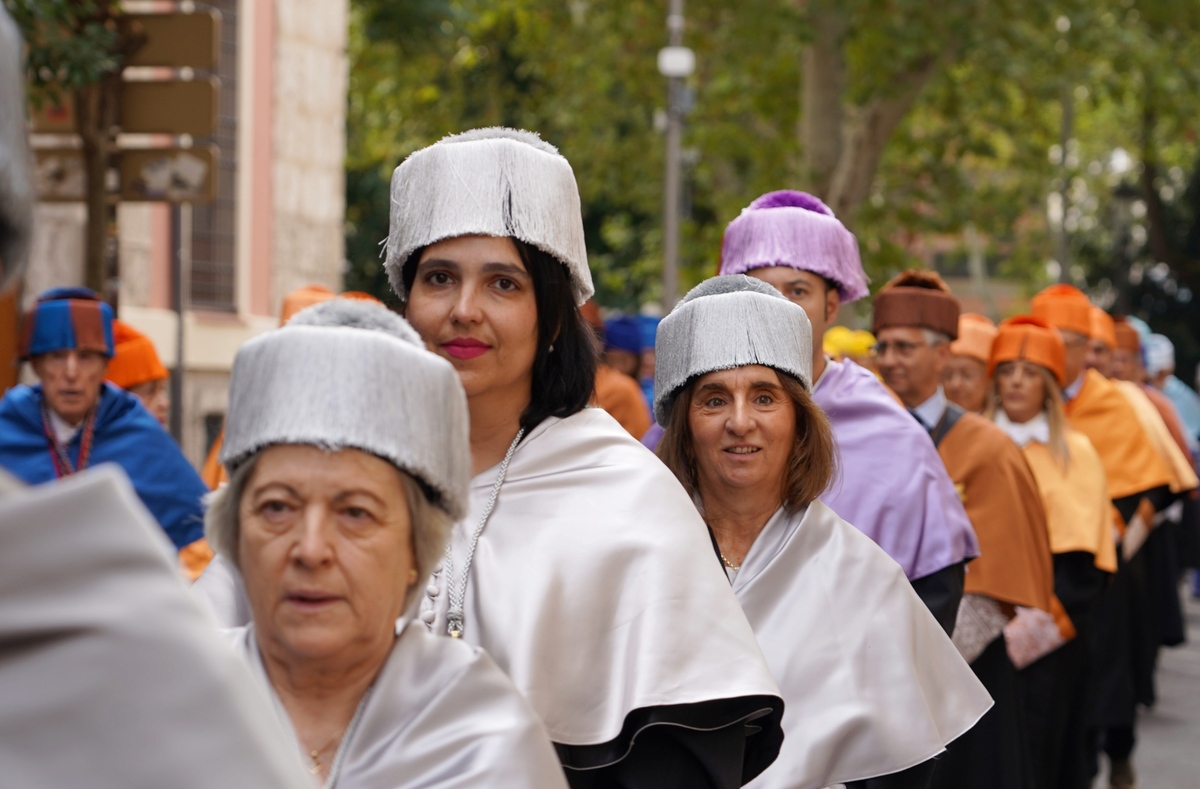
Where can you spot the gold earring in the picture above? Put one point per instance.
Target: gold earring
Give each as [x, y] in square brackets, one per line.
[412, 575]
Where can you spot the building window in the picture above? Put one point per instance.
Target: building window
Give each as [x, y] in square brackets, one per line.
[214, 247]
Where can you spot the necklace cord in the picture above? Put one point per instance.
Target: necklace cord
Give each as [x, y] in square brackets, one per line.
[458, 591]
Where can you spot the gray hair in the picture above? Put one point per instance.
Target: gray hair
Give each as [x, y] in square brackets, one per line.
[430, 524]
[935, 338]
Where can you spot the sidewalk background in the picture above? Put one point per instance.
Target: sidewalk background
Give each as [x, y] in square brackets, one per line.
[1168, 751]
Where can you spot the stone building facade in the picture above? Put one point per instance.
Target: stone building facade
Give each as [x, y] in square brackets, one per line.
[276, 225]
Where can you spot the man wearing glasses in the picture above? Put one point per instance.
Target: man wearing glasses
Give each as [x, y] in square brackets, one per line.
[915, 320]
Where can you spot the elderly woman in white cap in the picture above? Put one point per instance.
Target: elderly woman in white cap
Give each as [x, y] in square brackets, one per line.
[580, 564]
[332, 521]
[873, 685]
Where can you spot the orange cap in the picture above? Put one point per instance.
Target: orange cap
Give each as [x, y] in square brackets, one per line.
[975, 335]
[1127, 337]
[1033, 339]
[304, 297]
[134, 359]
[358, 295]
[1102, 327]
[1064, 307]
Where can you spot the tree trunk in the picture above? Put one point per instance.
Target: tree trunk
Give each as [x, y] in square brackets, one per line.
[867, 129]
[1158, 230]
[823, 70]
[96, 117]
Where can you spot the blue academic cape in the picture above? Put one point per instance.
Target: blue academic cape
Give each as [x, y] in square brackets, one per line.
[125, 434]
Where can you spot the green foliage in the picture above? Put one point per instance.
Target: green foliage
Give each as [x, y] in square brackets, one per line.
[977, 146]
[72, 43]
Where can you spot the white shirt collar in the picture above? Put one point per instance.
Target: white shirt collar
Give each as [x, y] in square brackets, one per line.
[930, 412]
[62, 431]
[1073, 390]
[1024, 434]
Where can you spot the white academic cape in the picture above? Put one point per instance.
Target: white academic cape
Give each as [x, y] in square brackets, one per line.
[871, 682]
[594, 589]
[439, 715]
[110, 674]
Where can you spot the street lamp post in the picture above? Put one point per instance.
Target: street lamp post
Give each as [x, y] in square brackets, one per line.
[675, 62]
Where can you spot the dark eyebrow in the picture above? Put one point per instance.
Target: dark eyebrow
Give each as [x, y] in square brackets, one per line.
[505, 268]
[439, 262]
[494, 267]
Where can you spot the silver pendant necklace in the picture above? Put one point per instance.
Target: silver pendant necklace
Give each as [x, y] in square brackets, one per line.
[458, 591]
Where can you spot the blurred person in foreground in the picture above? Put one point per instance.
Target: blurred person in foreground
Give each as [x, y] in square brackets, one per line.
[895, 488]
[916, 318]
[1028, 369]
[1139, 486]
[965, 375]
[333, 525]
[72, 419]
[110, 673]
[615, 391]
[874, 687]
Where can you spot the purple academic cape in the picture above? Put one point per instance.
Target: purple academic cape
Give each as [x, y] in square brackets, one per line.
[891, 483]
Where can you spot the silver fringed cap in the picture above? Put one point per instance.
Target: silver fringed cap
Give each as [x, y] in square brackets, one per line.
[351, 374]
[727, 322]
[488, 182]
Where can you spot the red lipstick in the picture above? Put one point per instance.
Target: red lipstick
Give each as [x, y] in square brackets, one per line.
[466, 348]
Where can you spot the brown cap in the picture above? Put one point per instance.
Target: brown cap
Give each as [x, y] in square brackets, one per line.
[1127, 337]
[1032, 339]
[917, 298]
[1064, 307]
[975, 335]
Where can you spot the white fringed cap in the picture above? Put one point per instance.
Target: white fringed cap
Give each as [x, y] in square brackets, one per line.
[488, 182]
[16, 188]
[727, 322]
[351, 374]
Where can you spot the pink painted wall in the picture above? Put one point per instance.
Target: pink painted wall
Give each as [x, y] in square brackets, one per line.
[261, 189]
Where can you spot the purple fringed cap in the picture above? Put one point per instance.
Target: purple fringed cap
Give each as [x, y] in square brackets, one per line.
[794, 229]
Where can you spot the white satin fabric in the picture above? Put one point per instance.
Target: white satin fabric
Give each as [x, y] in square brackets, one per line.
[594, 585]
[871, 683]
[110, 675]
[440, 715]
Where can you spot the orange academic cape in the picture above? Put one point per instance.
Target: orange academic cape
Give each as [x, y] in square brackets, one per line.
[1078, 510]
[621, 397]
[1002, 500]
[1104, 415]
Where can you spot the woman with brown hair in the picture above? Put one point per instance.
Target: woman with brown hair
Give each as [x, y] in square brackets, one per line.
[839, 624]
[1028, 370]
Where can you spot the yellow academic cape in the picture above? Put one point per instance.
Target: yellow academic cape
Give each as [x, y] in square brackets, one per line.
[1078, 510]
[1104, 415]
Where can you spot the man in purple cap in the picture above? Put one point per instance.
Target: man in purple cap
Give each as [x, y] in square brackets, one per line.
[891, 483]
[72, 419]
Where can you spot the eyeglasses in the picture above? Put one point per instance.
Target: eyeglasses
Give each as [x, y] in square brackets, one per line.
[902, 348]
